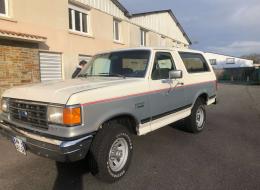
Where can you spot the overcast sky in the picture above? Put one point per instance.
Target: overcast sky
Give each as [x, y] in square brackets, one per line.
[223, 26]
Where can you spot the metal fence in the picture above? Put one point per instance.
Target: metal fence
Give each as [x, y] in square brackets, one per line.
[249, 75]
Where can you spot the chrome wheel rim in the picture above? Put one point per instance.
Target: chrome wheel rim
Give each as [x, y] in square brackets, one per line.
[200, 118]
[118, 154]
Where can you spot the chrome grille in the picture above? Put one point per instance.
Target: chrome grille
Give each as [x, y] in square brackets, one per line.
[30, 113]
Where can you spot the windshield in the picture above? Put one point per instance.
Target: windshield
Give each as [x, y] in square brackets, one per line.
[118, 64]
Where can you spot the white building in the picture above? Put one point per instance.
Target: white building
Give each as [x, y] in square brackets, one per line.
[43, 40]
[219, 61]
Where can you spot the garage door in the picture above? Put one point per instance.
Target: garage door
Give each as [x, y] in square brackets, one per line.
[50, 65]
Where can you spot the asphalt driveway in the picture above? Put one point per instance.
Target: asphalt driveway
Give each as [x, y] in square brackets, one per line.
[225, 156]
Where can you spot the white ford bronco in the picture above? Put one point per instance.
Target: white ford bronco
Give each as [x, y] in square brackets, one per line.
[117, 94]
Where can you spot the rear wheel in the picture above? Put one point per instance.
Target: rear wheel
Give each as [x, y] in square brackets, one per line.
[195, 123]
[111, 152]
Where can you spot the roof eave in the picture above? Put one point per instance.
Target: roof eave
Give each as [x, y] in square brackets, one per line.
[180, 26]
[22, 39]
[173, 17]
[4, 34]
[121, 7]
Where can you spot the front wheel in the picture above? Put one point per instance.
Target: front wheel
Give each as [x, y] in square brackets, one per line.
[111, 152]
[195, 123]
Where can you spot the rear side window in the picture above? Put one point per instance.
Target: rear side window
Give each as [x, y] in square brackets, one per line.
[194, 62]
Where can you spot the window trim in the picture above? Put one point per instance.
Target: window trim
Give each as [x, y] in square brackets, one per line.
[6, 9]
[74, 8]
[207, 64]
[155, 55]
[147, 69]
[119, 40]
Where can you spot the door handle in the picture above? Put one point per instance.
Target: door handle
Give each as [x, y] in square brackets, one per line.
[174, 87]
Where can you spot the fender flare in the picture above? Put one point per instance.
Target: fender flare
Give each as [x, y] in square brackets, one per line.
[116, 115]
[201, 92]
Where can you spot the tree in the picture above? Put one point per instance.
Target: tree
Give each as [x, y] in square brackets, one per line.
[254, 57]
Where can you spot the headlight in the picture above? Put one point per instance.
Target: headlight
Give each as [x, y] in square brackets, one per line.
[4, 105]
[55, 114]
[64, 116]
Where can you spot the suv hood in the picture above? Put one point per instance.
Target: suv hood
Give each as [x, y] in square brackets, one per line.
[60, 91]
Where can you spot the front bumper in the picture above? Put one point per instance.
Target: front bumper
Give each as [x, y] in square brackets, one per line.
[62, 151]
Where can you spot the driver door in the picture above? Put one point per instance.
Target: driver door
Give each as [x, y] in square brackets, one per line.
[165, 98]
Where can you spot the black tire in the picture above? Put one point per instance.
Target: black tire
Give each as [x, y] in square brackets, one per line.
[191, 123]
[100, 150]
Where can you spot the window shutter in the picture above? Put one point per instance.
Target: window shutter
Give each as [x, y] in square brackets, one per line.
[50, 66]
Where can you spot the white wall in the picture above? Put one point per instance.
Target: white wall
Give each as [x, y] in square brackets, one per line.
[221, 61]
[161, 23]
[104, 5]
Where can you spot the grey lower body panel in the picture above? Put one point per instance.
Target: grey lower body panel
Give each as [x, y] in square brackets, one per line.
[62, 151]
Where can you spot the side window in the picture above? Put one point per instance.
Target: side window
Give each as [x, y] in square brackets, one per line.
[163, 64]
[194, 62]
[78, 19]
[143, 37]
[230, 60]
[116, 30]
[213, 61]
[3, 7]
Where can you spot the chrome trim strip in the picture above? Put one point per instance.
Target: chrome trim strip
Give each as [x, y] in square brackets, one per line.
[29, 102]
[39, 138]
[71, 143]
[32, 136]
[62, 144]
[37, 103]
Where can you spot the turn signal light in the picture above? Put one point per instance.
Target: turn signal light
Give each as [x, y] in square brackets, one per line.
[72, 116]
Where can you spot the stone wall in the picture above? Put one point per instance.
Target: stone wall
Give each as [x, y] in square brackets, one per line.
[19, 64]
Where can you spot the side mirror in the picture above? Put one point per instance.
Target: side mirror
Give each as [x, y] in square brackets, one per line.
[176, 74]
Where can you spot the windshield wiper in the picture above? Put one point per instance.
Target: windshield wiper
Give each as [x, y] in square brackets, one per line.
[113, 74]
